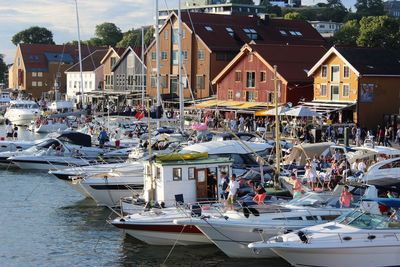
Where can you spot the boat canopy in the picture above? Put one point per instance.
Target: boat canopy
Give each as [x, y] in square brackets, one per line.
[76, 138]
[389, 202]
[301, 152]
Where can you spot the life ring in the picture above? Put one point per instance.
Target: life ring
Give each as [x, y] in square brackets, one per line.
[169, 115]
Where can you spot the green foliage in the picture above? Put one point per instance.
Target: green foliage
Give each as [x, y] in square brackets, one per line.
[134, 37]
[348, 34]
[107, 33]
[294, 15]
[333, 11]
[3, 69]
[381, 31]
[33, 35]
[369, 8]
[276, 10]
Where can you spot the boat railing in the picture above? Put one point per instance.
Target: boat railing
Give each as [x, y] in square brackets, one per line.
[196, 209]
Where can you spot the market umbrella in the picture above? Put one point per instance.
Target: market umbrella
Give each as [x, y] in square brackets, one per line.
[301, 111]
[271, 112]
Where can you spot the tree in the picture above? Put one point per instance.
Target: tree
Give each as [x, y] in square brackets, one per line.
[381, 31]
[33, 35]
[107, 33]
[293, 15]
[369, 8]
[131, 38]
[3, 69]
[348, 34]
[148, 36]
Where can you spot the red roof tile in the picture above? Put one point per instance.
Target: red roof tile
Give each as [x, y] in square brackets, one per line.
[268, 31]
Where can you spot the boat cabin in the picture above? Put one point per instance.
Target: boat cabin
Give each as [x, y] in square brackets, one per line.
[184, 177]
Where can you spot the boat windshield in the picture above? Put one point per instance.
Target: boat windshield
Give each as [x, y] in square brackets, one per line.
[308, 200]
[364, 220]
[25, 106]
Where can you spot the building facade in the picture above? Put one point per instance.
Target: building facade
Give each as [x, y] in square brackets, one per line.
[326, 28]
[108, 62]
[361, 82]
[250, 77]
[210, 42]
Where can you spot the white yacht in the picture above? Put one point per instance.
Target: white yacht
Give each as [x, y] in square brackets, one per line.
[359, 238]
[384, 173]
[22, 112]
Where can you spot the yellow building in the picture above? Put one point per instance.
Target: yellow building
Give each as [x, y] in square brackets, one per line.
[360, 85]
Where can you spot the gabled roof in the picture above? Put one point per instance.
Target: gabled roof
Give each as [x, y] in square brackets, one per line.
[89, 63]
[36, 57]
[137, 52]
[231, 32]
[292, 61]
[117, 50]
[365, 61]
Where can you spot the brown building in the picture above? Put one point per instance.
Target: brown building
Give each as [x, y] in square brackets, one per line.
[39, 68]
[250, 75]
[360, 85]
[109, 61]
[210, 42]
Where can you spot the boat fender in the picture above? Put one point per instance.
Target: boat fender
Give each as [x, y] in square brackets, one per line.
[302, 237]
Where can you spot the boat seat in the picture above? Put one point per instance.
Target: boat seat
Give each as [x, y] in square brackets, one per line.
[179, 199]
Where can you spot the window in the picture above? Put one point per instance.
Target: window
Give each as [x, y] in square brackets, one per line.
[175, 36]
[70, 84]
[335, 73]
[86, 83]
[191, 173]
[251, 81]
[90, 84]
[164, 55]
[322, 89]
[230, 94]
[271, 97]
[177, 174]
[153, 80]
[200, 54]
[113, 61]
[19, 62]
[163, 81]
[34, 83]
[250, 96]
[158, 172]
[153, 56]
[175, 57]
[208, 28]
[346, 72]
[174, 85]
[40, 74]
[263, 75]
[199, 81]
[183, 34]
[230, 31]
[250, 57]
[346, 90]
[39, 83]
[185, 55]
[166, 35]
[251, 33]
[284, 33]
[335, 92]
[238, 76]
[324, 71]
[34, 74]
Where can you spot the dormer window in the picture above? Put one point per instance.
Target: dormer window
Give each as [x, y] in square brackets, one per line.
[230, 31]
[284, 33]
[251, 33]
[209, 29]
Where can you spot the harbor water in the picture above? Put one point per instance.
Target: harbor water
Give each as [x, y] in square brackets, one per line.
[44, 222]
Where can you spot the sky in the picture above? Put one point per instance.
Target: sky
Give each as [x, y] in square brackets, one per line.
[59, 17]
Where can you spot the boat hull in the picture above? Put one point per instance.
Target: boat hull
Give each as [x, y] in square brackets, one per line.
[337, 257]
[44, 165]
[165, 234]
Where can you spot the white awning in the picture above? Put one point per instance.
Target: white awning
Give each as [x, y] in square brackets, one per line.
[328, 106]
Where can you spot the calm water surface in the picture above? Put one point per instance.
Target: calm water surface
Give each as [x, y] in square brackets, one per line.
[44, 222]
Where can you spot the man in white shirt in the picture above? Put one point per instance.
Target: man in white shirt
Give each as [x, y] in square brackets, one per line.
[233, 189]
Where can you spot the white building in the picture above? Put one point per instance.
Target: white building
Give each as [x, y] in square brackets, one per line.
[326, 28]
[92, 72]
[313, 2]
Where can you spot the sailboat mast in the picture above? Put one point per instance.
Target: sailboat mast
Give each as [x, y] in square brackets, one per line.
[79, 52]
[277, 132]
[181, 96]
[157, 57]
[143, 76]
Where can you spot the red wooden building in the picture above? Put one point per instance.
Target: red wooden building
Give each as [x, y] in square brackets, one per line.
[249, 76]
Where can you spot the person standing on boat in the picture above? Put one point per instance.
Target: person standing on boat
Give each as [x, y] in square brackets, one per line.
[232, 189]
[102, 137]
[345, 198]
[224, 185]
[297, 191]
[15, 132]
[9, 130]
